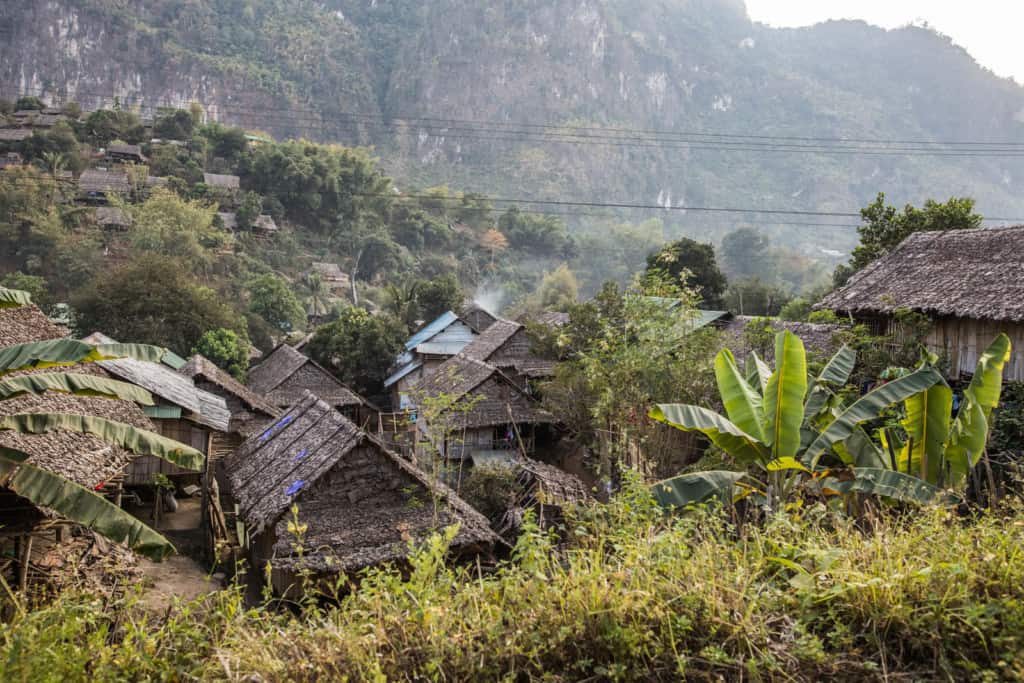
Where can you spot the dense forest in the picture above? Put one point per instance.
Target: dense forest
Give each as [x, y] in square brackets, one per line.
[567, 93]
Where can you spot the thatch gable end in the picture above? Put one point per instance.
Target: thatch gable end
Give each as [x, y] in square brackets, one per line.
[285, 376]
[354, 495]
[247, 407]
[492, 397]
[955, 273]
[818, 338]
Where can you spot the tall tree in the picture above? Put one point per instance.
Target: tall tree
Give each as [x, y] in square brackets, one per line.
[358, 347]
[272, 299]
[693, 265]
[885, 227]
[152, 300]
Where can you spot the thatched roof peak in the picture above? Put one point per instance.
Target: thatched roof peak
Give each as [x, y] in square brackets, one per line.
[271, 379]
[959, 273]
[200, 367]
[308, 455]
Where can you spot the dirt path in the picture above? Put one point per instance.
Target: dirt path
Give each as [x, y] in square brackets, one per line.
[176, 577]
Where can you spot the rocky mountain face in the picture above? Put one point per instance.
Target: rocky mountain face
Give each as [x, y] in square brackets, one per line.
[405, 76]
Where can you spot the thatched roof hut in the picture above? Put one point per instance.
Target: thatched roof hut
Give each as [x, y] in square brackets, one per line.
[96, 183]
[478, 317]
[286, 375]
[25, 324]
[250, 412]
[958, 273]
[967, 281]
[126, 153]
[553, 319]
[481, 395]
[331, 274]
[506, 345]
[264, 224]
[229, 219]
[221, 182]
[362, 503]
[14, 134]
[112, 218]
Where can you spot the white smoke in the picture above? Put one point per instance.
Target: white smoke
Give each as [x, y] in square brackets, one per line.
[490, 297]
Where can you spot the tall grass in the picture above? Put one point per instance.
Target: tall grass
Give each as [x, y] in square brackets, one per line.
[632, 596]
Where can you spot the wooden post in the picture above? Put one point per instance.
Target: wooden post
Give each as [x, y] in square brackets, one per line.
[26, 557]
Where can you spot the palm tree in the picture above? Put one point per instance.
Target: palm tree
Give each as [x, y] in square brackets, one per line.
[34, 473]
[317, 291]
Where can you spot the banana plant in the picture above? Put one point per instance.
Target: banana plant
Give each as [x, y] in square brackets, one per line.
[45, 488]
[775, 423]
[940, 448]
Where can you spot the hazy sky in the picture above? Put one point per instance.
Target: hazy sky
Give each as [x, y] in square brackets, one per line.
[989, 29]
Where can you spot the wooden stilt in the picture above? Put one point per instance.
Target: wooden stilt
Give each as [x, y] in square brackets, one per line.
[23, 565]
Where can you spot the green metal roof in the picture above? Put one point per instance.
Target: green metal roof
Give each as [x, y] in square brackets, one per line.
[163, 412]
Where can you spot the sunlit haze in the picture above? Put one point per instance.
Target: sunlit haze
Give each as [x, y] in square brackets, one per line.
[988, 29]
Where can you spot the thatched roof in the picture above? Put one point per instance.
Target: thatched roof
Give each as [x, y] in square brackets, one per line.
[258, 407]
[229, 219]
[202, 407]
[271, 378]
[491, 339]
[553, 485]
[96, 180]
[227, 182]
[317, 459]
[14, 134]
[264, 223]
[125, 150]
[111, 215]
[960, 273]
[817, 338]
[24, 324]
[478, 317]
[460, 379]
[553, 319]
[83, 458]
[329, 271]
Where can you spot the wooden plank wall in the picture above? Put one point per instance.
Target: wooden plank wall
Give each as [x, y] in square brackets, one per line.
[962, 341]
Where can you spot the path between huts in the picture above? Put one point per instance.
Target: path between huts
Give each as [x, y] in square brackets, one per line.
[176, 577]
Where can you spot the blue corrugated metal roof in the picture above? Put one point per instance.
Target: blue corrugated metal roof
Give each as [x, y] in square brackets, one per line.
[443, 321]
[400, 373]
[448, 348]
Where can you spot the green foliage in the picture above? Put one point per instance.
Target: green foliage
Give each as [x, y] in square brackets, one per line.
[176, 125]
[693, 264]
[797, 310]
[227, 349]
[272, 299]
[358, 348]
[630, 593]
[168, 225]
[155, 301]
[885, 226]
[438, 295]
[533, 233]
[33, 285]
[104, 126]
[753, 296]
[29, 102]
[73, 383]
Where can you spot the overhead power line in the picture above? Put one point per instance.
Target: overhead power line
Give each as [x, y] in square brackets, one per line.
[464, 129]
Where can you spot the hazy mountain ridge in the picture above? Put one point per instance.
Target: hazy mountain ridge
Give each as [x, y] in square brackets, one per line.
[683, 65]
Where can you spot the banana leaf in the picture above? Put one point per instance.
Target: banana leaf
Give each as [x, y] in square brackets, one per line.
[758, 372]
[782, 464]
[835, 373]
[138, 441]
[968, 434]
[784, 396]
[723, 433]
[869, 407]
[85, 507]
[927, 426]
[63, 352]
[860, 451]
[14, 298]
[890, 484]
[74, 383]
[742, 403]
[693, 489]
